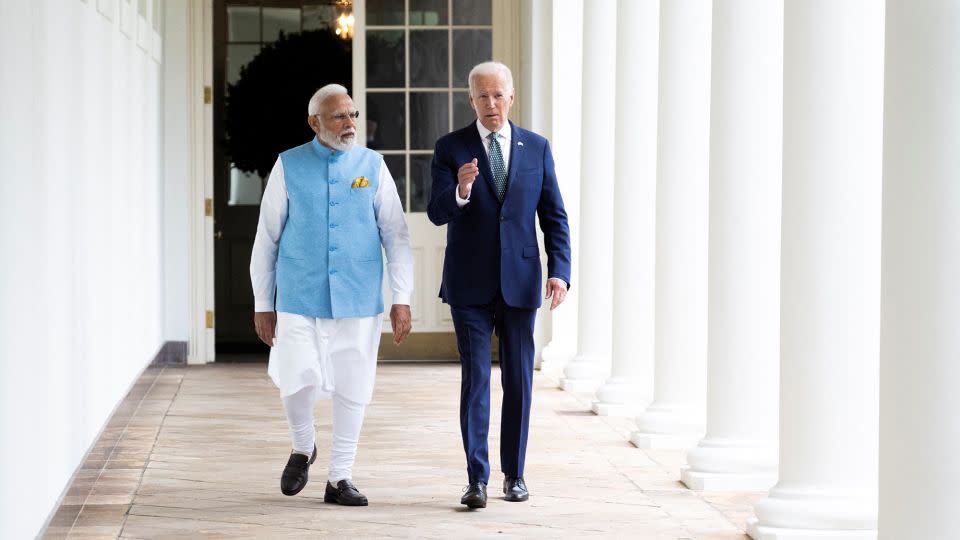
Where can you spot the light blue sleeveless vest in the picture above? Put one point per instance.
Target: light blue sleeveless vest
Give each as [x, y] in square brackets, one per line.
[329, 265]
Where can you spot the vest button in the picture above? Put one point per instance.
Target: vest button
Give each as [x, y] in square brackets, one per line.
[333, 248]
[332, 203]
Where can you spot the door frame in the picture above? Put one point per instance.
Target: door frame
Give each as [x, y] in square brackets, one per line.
[200, 126]
[507, 43]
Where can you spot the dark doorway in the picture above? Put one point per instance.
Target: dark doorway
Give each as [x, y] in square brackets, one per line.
[269, 57]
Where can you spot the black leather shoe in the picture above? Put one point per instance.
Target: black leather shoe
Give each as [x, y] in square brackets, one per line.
[294, 476]
[345, 493]
[476, 495]
[515, 489]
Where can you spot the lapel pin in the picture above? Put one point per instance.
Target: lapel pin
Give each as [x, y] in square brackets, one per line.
[519, 143]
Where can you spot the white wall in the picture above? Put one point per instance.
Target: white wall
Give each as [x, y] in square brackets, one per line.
[80, 214]
[176, 185]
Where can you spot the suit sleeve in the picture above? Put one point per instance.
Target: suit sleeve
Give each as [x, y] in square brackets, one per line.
[443, 207]
[553, 222]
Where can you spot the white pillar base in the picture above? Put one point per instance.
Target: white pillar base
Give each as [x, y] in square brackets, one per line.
[668, 427]
[760, 532]
[580, 374]
[580, 386]
[721, 464]
[797, 513]
[705, 481]
[663, 441]
[614, 409]
[618, 397]
[554, 358]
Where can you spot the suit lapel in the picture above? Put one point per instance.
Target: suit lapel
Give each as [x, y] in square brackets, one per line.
[516, 155]
[476, 148]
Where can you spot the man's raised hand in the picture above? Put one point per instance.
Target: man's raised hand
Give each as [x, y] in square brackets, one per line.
[465, 176]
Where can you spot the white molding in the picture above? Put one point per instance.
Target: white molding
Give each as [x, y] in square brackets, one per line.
[144, 33]
[200, 122]
[359, 89]
[156, 47]
[126, 18]
[508, 42]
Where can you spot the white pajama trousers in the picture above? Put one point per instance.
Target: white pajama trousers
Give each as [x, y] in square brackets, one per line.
[321, 359]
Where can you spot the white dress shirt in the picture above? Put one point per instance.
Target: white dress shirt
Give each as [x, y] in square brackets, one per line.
[273, 215]
[504, 140]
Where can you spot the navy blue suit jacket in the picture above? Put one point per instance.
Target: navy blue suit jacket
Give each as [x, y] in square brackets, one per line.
[491, 245]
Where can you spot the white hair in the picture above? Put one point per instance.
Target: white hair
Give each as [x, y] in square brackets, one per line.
[491, 68]
[321, 95]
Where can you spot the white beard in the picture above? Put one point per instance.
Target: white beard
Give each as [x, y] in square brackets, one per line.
[339, 142]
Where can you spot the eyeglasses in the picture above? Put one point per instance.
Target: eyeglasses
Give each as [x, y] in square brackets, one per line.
[342, 117]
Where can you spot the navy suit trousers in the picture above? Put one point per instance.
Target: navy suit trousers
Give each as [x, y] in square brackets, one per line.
[514, 327]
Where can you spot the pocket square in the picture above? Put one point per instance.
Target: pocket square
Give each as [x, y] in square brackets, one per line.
[360, 182]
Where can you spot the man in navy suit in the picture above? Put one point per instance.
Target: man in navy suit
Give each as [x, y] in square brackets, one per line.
[491, 180]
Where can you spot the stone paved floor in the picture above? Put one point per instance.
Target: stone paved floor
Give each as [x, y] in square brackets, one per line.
[197, 452]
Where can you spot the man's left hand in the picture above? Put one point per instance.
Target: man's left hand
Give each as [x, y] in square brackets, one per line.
[400, 320]
[557, 290]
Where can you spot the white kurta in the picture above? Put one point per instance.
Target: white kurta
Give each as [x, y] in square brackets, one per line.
[330, 355]
[333, 355]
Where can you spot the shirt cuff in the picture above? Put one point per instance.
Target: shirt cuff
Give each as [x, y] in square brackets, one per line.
[461, 202]
[401, 298]
[261, 306]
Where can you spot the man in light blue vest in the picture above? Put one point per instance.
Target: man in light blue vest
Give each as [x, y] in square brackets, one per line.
[317, 272]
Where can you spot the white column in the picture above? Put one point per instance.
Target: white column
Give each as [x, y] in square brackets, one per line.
[566, 55]
[920, 309]
[676, 416]
[830, 284]
[634, 210]
[585, 371]
[739, 451]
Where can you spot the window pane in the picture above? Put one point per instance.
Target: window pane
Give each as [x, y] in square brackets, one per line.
[276, 20]
[470, 47]
[237, 57]
[384, 12]
[420, 182]
[428, 12]
[385, 59]
[428, 119]
[243, 23]
[397, 167]
[428, 58]
[472, 12]
[320, 17]
[245, 188]
[463, 113]
[385, 126]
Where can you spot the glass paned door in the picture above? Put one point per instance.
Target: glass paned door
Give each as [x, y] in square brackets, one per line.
[418, 55]
[269, 58]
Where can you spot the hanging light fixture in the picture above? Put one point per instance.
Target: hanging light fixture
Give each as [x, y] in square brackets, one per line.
[345, 20]
[345, 25]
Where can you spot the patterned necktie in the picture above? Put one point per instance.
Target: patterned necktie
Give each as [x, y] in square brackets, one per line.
[496, 163]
